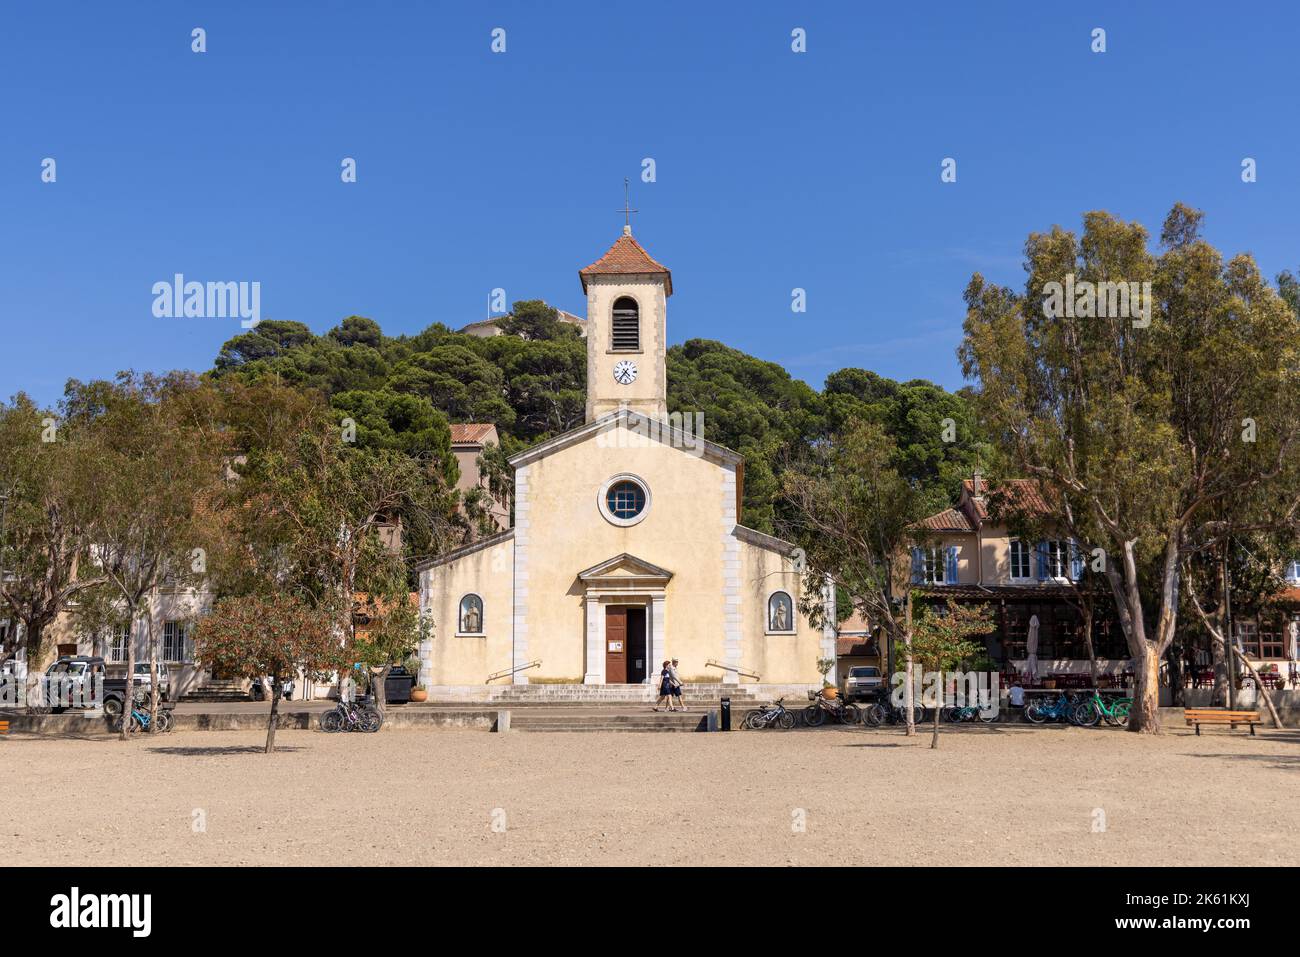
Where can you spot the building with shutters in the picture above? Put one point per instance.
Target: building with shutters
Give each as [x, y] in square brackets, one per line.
[970, 556]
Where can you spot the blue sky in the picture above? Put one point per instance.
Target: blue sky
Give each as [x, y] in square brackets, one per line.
[478, 170]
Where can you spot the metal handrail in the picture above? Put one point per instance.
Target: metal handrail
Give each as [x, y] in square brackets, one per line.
[714, 663]
[536, 663]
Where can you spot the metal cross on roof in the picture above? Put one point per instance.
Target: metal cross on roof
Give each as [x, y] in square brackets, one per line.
[627, 208]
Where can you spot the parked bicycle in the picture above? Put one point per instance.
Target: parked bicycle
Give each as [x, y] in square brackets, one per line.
[1090, 711]
[836, 708]
[884, 711]
[773, 716]
[350, 716]
[139, 719]
[1040, 710]
[957, 714]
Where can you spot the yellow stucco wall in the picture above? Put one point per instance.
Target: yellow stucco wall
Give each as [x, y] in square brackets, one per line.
[682, 532]
[469, 659]
[646, 393]
[719, 585]
[779, 659]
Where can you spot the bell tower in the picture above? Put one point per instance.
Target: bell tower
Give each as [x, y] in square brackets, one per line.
[627, 304]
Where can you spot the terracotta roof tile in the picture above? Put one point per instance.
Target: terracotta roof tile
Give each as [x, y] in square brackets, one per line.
[1287, 596]
[949, 520]
[1023, 495]
[856, 645]
[467, 432]
[626, 257]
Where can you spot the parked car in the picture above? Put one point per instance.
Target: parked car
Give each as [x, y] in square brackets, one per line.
[863, 681]
[66, 684]
[164, 679]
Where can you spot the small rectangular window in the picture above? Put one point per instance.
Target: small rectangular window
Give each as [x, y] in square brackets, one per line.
[117, 639]
[1019, 559]
[174, 641]
[934, 566]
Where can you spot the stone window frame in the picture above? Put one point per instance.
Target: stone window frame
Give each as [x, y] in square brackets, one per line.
[602, 500]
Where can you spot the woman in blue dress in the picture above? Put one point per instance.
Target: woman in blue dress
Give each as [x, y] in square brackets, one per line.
[665, 687]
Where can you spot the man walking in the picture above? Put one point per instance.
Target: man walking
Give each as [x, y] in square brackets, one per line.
[675, 683]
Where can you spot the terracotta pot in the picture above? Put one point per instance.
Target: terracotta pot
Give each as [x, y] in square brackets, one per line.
[419, 694]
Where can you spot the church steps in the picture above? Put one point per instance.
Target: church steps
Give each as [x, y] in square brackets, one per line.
[521, 721]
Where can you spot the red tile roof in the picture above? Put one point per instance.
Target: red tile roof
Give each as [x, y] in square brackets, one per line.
[463, 433]
[858, 646]
[949, 520]
[1287, 596]
[627, 257]
[1022, 495]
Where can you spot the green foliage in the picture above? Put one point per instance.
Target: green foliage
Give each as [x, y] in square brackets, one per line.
[252, 636]
[749, 405]
[941, 637]
[533, 319]
[920, 417]
[402, 423]
[1163, 433]
[852, 513]
[531, 384]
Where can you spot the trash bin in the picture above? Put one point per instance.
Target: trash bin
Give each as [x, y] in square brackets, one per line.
[397, 689]
[724, 714]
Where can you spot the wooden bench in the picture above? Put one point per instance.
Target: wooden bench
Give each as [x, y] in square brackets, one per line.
[1200, 716]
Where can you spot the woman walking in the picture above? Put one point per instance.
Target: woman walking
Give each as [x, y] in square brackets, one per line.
[665, 687]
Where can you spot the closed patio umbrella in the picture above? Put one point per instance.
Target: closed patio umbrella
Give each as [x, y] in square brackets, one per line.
[1031, 647]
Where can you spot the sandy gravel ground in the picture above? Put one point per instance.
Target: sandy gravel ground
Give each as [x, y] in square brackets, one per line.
[1005, 796]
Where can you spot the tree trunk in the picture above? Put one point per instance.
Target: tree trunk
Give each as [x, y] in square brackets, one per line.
[1144, 715]
[33, 642]
[1260, 690]
[1086, 613]
[1219, 695]
[379, 690]
[934, 739]
[275, 714]
[909, 695]
[129, 701]
[153, 675]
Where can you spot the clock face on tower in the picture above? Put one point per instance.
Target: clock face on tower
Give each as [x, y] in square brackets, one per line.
[625, 372]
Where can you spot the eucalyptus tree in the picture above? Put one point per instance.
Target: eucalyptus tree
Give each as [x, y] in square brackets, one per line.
[48, 490]
[1158, 391]
[854, 516]
[156, 470]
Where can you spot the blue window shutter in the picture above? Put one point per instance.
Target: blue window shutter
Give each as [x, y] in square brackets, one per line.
[918, 567]
[1076, 561]
[1042, 561]
[950, 573]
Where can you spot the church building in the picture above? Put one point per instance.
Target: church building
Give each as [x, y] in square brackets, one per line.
[625, 548]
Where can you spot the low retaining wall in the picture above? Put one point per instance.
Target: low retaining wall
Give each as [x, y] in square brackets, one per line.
[80, 725]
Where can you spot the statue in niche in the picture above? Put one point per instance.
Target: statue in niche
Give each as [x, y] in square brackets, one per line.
[779, 616]
[471, 616]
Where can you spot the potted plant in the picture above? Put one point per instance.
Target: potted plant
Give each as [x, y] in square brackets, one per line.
[419, 693]
[824, 665]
